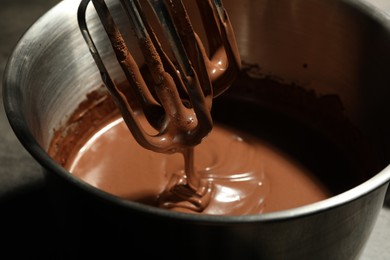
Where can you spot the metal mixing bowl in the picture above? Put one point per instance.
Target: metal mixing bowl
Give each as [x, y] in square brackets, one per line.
[335, 47]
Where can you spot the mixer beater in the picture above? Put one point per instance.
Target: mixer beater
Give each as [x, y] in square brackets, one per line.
[177, 101]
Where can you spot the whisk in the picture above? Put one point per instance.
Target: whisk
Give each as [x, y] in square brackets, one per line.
[177, 101]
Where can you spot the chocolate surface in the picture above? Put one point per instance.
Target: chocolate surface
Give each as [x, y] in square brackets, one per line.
[248, 176]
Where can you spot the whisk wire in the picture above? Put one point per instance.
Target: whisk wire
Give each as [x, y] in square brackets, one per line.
[178, 101]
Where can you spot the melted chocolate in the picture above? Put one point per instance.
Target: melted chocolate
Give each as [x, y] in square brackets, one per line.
[248, 176]
[300, 142]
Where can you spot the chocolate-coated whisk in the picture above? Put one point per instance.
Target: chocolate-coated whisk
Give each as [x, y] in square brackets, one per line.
[177, 102]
